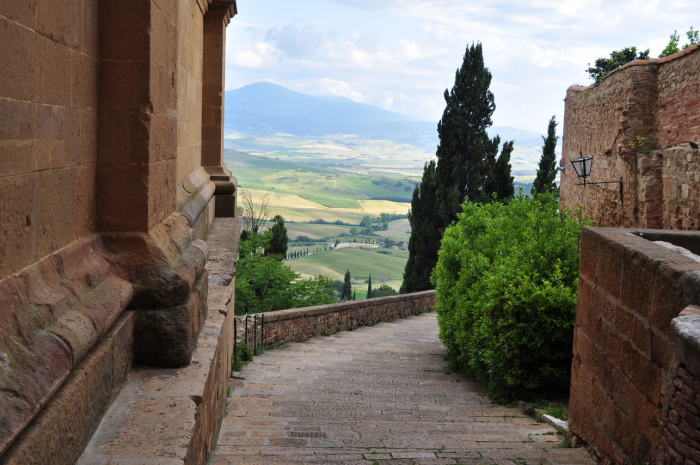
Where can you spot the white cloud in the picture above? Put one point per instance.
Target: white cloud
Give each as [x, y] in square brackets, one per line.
[402, 54]
[253, 55]
[332, 87]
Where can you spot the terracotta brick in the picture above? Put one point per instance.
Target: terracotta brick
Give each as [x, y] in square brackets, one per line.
[20, 75]
[637, 277]
[641, 337]
[609, 267]
[671, 284]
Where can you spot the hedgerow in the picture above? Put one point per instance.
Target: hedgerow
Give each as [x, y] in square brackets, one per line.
[506, 281]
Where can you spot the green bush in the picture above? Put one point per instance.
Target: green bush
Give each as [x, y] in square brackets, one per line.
[506, 281]
[243, 354]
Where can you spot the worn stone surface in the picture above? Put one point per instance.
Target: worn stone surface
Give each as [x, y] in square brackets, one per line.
[625, 348]
[380, 394]
[656, 99]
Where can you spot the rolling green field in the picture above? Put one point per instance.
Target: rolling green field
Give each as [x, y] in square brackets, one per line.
[302, 189]
[359, 261]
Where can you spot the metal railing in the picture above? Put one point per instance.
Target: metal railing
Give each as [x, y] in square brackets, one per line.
[245, 319]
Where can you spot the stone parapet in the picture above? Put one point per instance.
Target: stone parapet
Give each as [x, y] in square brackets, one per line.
[301, 323]
[626, 351]
[173, 416]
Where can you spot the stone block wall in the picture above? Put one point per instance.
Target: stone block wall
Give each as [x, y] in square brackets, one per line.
[95, 217]
[48, 137]
[301, 323]
[625, 347]
[658, 99]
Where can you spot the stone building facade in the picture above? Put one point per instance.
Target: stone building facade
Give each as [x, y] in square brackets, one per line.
[111, 173]
[659, 101]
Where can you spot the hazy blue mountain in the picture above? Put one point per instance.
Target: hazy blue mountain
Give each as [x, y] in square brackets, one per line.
[263, 108]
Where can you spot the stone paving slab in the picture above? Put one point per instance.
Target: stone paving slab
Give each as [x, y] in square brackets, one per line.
[376, 395]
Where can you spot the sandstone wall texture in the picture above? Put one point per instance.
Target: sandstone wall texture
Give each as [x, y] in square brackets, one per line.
[101, 214]
[659, 100]
[627, 353]
[48, 136]
[301, 323]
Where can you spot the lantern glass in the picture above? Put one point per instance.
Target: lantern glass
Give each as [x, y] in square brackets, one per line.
[582, 166]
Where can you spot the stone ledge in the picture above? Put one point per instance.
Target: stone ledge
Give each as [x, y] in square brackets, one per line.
[301, 323]
[316, 310]
[173, 416]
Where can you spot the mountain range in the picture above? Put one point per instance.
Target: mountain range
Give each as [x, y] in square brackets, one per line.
[263, 108]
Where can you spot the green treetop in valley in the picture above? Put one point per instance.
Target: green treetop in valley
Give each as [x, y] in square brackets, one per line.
[547, 169]
[278, 239]
[346, 293]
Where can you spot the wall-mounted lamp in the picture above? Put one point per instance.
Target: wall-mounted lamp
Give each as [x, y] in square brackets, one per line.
[582, 166]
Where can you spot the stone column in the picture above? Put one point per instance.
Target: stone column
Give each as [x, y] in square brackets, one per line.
[136, 173]
[215, 21]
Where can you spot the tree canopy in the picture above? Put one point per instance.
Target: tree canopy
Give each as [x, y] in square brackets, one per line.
[465, 153]
[346, 293]
[278, 238]
[547, 169]
[672, 47]
[426, 233]
[264, 283]
[466, 169]
[604, 66]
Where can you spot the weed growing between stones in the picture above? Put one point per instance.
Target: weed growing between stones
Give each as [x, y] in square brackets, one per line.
[244, 354]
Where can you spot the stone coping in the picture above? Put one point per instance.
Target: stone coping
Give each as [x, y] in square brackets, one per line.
[650, 61]
[173, 415]
[293, 313]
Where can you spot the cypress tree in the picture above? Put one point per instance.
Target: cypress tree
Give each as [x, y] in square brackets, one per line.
[278, 241]
[547, 169]
[465, 154]
[499, 180]
[369, 287]
[346, 293]
[425, 237]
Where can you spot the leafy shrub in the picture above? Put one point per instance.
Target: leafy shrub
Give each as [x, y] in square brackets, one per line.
[243, 354]
[506, 281]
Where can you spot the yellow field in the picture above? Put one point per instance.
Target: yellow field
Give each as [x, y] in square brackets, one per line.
[375, 207]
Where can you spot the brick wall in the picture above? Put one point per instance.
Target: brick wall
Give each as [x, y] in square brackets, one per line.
[658, 99]
[625, 347]
[301, 323]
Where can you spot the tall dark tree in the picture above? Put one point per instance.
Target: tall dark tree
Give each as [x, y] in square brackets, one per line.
[369, 287]
[499, 179]
[426, 233]
[346, 293]
[278, 238]
[466, 158]
[547, 169]
[465, 154]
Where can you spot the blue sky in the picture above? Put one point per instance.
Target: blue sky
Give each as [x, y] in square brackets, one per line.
[402, 54]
